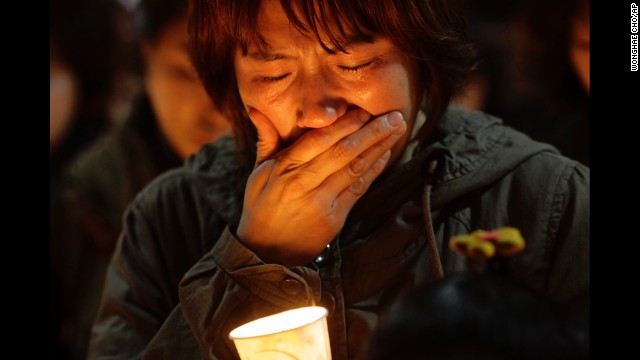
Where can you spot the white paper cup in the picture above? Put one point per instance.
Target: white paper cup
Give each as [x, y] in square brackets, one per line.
[294, 334]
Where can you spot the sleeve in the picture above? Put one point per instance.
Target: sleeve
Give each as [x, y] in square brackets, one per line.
[230, 286]
[145, 314]
[81, 254]
[570, 272]
[136, 296]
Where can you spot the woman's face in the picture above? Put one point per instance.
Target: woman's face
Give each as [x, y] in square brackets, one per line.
[186, 115]
[299, 86]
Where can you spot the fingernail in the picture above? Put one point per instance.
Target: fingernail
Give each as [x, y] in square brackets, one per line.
[394, 119]
[386, 155]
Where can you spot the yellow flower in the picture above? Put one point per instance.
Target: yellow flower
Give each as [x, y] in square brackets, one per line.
[483, 245]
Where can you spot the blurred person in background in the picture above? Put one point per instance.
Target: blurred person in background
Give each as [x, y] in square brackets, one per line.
[170, 119]
[478, 317]
[86, 64]
[580, 41]
[485, 312]
[533, 69]
[555, 57]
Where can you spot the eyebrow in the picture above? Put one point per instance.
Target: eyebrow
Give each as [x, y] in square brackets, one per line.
[267, 57]
[351, 43]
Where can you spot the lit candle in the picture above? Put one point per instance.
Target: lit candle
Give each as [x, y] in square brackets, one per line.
[294, 334]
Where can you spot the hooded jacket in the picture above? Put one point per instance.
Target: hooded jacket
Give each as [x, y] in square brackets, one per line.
[180, 280]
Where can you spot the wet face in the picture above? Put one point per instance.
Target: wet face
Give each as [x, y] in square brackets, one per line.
[186, 115]
[299, 86]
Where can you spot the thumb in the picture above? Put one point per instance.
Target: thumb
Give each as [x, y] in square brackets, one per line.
[268, 137]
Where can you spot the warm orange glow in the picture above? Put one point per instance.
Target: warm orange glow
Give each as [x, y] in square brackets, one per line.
[294, 334]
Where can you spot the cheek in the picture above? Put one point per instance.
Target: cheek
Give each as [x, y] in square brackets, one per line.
[174, 113]
[243, 88]
[246, 89]
[163, 101]
[392, 89]
[276, 104]
[173, 102]
[256, 94]
[175, 127]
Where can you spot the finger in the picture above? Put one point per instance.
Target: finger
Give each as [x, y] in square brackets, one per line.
[345, 200]
[358, 167]
[317, 141]
[353, 155]
[268, 137]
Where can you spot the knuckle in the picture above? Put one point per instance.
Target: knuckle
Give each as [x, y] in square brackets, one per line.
[344, 149]
[386, 143]
[295, 184]
[278, 167]
[378, 128]
[358, 187]
[374, 171]
[319, 139]
[378, 166]
[382, 146]
[356, 166]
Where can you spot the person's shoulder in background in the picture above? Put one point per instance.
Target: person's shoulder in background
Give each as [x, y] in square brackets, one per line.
[473, 316]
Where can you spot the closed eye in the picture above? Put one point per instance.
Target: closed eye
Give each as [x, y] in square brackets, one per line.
[270, 79]
[355, 68]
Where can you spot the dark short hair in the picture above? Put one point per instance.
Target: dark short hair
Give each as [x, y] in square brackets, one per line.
[432, 31]
[153, 16]
[476, 316]
[149, 19]
[87, 37]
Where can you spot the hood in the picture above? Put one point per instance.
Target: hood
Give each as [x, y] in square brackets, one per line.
[216, 173]
[474, 149]
[467, 151]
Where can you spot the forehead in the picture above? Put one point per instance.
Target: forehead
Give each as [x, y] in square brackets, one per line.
[273, 22]
[271, 15]
[280, 29]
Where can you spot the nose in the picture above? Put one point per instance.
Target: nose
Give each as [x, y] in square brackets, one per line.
[320, 102]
